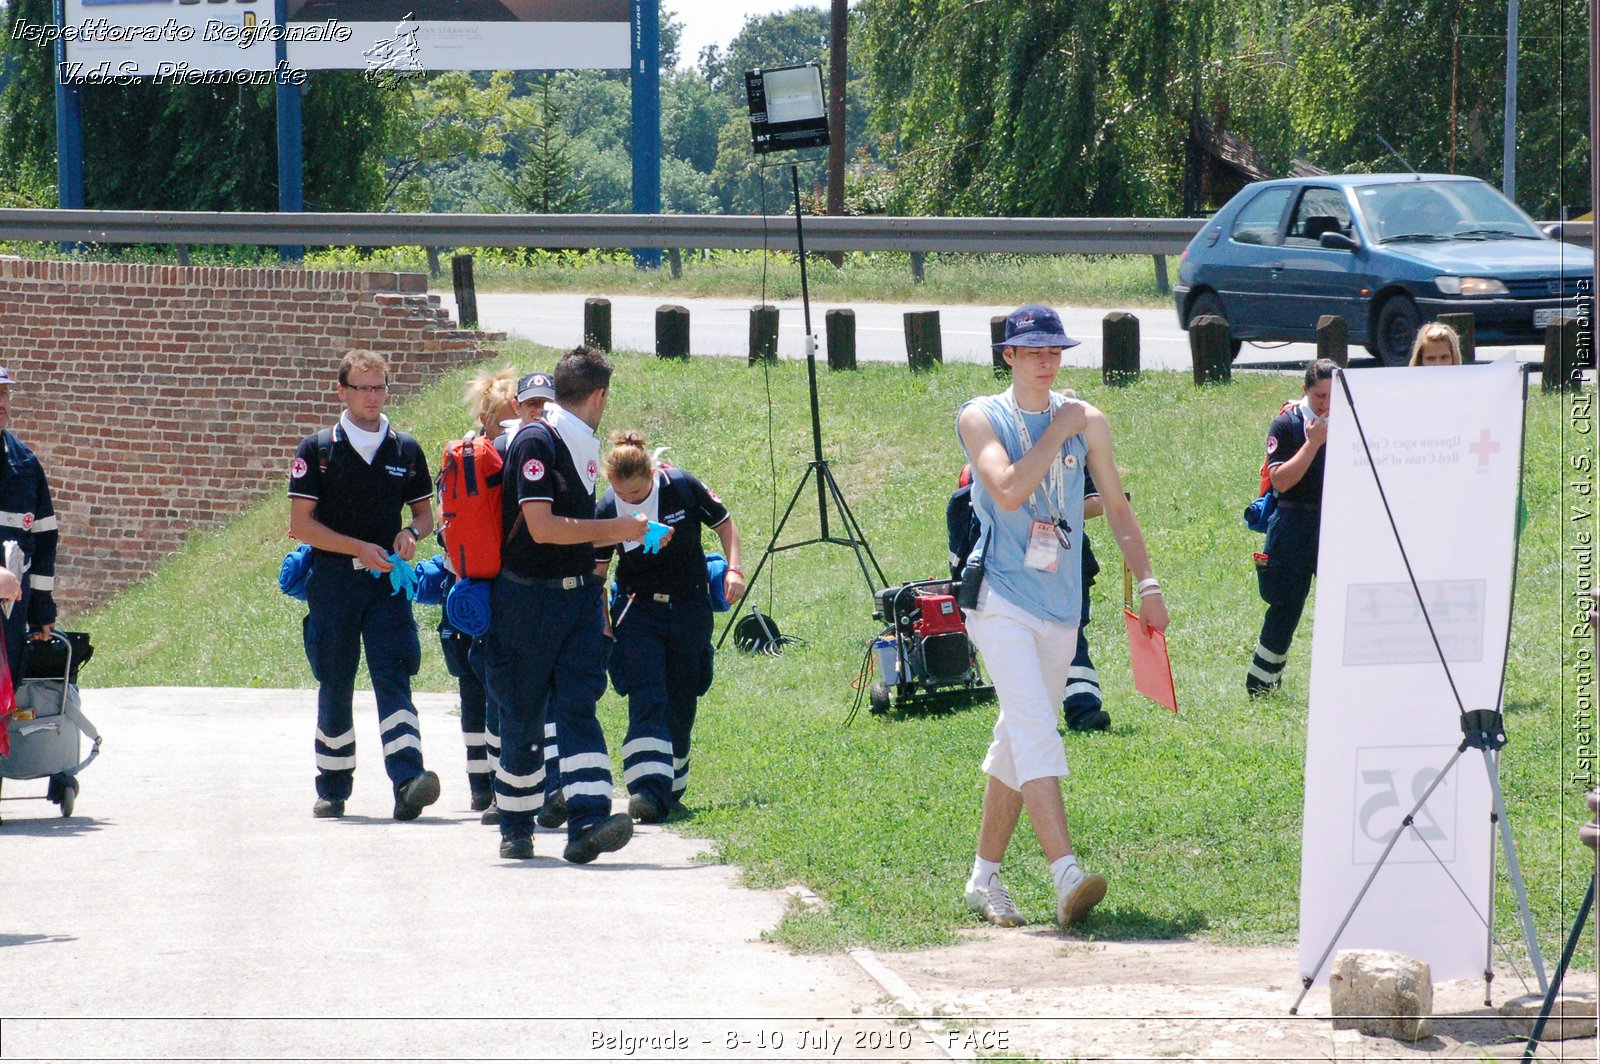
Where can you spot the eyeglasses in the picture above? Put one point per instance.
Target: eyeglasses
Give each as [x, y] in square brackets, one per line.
[367, 389]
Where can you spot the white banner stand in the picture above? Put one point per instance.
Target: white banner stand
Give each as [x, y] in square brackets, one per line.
[1416, 571]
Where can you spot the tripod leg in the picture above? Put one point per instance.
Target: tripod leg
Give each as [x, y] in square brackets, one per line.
[857, 540]
[762, 564]
[1488, 922]
[1491, 764]
[1377, 867]
[1561, 971]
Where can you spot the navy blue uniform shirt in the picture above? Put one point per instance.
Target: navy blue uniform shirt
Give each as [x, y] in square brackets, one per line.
[1284, 440]
[357, 499]
[685, 506]
[539, 467]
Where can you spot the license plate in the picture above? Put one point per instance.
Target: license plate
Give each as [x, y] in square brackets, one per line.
[1542, 318]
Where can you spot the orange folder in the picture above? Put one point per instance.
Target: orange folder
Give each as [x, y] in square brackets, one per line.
[1152, 669]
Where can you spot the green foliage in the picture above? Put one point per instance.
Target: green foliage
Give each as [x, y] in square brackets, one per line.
[540, 175]
[1065, 108]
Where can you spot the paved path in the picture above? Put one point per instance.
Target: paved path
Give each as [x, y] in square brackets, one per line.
[193, 910]
[722, 327]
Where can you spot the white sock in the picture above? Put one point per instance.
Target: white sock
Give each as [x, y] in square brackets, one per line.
[983, 871]
[1059, 869]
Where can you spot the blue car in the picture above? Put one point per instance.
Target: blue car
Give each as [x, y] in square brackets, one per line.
[1385, 252]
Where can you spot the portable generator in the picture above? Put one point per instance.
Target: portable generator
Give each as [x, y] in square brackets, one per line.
[924, 658]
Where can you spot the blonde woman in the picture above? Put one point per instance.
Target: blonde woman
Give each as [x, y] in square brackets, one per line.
[661, 619]
[1436, 345]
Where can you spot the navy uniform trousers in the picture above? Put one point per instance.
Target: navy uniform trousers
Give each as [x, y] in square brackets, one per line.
[662, 662]
[349, 608]
[546, 658]
[463, 658]
[1284, 580]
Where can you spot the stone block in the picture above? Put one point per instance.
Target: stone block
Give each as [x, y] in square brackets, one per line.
[1571, 1016]
[1380, 993]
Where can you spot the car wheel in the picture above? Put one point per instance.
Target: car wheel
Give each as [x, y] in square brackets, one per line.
[1207, 303]
[1398, 322]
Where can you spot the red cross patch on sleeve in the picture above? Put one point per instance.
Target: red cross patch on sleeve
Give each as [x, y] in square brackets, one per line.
[297, 469]
[1272, 444]
[533, 469]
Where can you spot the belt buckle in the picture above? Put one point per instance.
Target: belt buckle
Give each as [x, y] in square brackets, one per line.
[661, 598]
[570, 582]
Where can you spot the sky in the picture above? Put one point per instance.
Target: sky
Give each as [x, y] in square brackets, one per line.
[719, 21]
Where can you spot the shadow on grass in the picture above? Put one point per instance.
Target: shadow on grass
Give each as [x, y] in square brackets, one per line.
[1129, 924]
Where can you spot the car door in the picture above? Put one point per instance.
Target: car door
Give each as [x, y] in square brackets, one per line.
[1241, 270]
[1309, 280]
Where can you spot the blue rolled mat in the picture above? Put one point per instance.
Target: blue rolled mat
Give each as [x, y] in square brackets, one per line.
[295, 572]
[466, 607]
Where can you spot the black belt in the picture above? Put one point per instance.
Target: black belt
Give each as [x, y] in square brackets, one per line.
[1290, 504]
[655, 596]
[559, 583]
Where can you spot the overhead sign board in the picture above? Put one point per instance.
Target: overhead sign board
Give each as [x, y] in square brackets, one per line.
[235, 41]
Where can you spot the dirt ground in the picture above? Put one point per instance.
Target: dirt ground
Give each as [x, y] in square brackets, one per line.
[1048, 997]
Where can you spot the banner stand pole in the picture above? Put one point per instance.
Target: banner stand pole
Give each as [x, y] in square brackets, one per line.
[1482, 729]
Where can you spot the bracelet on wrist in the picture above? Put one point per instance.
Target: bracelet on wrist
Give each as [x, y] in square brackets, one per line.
[735, 569]
[1149, 582]
[1147, 592]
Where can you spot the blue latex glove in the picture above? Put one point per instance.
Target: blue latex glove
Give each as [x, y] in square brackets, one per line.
[653, 536]
[403, 578]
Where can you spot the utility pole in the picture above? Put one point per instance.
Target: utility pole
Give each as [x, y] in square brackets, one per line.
[1508, 163]
[837, 67]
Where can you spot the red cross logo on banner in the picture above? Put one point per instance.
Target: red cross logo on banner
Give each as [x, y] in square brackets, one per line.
[1484, 448]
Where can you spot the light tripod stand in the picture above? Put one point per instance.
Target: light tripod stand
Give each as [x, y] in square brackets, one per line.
[818, 468]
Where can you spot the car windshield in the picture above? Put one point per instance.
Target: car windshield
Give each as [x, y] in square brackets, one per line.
[1441, 210]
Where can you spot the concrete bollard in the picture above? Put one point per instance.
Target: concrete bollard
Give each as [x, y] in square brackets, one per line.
[923, 347]
[997, 335]
[597, 322]
[841, 329]
[763, 333]
[1119, 351]
[1563, 372]
[1333, 339]
[1211, 350]
[466, 293]
[672, 332]
[1466, 327]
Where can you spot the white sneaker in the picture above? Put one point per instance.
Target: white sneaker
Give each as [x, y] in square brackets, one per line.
[1080, 893]
[993, 902]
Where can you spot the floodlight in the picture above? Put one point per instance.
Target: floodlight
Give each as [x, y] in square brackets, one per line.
[787, 110]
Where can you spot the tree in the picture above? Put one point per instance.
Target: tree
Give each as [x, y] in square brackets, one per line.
[540, 171]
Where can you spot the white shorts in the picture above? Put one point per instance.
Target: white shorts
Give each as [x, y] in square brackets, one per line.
[1028, 659]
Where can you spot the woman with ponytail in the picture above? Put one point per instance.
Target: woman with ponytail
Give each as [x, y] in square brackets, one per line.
[660, 618]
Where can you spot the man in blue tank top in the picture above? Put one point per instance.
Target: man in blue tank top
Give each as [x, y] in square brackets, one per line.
[1029, 448]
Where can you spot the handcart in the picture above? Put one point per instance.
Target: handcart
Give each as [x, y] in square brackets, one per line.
[924, 659]
[48, 727]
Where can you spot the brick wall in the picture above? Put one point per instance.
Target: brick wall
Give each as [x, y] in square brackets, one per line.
[163, 399]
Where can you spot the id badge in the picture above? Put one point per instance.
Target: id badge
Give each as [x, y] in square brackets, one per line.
[1044, 549]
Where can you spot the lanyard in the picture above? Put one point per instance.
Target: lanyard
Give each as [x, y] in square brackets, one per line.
[1055, 481]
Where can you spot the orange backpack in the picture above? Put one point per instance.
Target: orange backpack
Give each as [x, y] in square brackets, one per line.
[470, 516]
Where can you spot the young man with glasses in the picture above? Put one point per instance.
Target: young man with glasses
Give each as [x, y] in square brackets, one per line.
[1030, 448]
[347, 488]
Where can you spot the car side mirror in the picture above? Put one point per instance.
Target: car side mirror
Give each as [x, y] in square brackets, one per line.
[1554, 230]
[1338, 241]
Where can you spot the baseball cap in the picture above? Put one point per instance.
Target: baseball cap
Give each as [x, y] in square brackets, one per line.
[535, 386]
[1034, 326]
[5, 376]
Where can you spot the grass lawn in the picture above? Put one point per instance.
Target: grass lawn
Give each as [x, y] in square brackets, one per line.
[1195, 818]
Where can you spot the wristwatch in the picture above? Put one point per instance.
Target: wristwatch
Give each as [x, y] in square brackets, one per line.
[414, 533]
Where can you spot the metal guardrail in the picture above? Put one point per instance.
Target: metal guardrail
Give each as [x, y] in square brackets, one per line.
[1072, 236]
[1059, 236]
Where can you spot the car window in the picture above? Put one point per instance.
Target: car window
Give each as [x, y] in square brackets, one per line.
[1442, 210]
[1320, 210]
[1258, 221]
